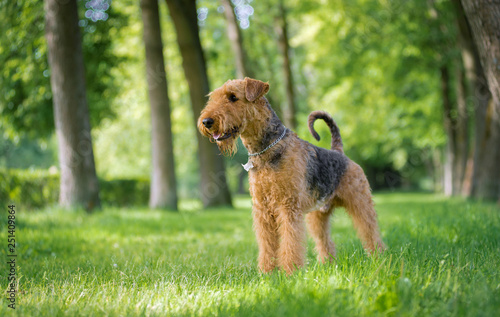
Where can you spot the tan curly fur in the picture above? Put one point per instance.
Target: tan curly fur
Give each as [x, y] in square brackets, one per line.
[280, 181]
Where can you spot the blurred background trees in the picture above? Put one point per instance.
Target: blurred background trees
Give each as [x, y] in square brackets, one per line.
[78, 182]
[483, 19]
[213, 185]
[412, 85]
[163, 192]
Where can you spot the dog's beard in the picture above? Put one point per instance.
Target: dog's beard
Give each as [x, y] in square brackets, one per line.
[228, 147]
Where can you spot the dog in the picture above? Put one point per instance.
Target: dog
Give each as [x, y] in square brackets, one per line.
[289, 177]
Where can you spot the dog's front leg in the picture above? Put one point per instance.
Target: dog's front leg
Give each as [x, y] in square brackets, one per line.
[266, 230]
[292, 232]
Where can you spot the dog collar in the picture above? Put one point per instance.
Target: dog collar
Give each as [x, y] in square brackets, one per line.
[249, 164]
[270, 145]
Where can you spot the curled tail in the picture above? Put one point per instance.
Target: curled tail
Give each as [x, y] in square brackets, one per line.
[334, 129]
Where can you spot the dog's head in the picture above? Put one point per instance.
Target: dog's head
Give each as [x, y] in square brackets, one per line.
[233, 109]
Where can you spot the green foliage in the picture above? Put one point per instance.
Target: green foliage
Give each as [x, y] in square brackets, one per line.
[126, 139]
[30, 189]
[27, 153]
[25, 93]
[124, 192]
[442, 261]
[35, 189]
[372, 64]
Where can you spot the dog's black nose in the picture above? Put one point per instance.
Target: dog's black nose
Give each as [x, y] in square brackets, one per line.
[208, 122]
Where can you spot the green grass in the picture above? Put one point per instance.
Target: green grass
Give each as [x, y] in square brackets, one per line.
[443, 260]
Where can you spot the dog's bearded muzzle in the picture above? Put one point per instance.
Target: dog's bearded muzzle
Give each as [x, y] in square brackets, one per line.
[221, 136]
[224, 134]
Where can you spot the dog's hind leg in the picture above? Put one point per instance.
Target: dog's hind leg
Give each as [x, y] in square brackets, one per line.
[318, 223]
[355, 195]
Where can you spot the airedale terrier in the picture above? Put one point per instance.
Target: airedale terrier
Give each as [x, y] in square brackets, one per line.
[289, 177]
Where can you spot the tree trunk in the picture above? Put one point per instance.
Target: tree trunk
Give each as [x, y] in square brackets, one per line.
[456, 128]
[461, 133]
[241, 182]
[234, 35]
[437, 162]
[282, 32]
[478, 96]
[449, 125]
[214, 189]
[163, 193]
[79, 184]
[483, 18]
[243, 64]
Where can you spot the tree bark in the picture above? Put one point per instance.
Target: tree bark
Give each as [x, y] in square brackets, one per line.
[236, 39]
[456, 128]
[477, 95]
[282, 32]
[244, 64]
[163, 193]
[214, 189]
[461, 134]
[449, 127]
[79, 184]
[483, 18]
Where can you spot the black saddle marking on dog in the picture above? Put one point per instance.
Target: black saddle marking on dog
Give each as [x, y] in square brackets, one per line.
[324, 170]
[276, 156]
[273, 130]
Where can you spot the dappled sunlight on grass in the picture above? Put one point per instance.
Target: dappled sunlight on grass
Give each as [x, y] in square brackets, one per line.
[387, 197]
[443, 259]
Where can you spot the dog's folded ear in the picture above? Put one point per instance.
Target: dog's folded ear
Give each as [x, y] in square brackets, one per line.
[254, 89]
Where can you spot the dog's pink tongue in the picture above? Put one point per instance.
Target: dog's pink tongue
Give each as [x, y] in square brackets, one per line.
[216, 136]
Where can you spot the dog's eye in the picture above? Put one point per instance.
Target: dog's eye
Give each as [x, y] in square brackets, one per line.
[232, 98]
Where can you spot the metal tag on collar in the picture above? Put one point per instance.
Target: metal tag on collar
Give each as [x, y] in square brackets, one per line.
[248, 165]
